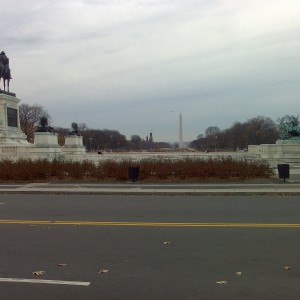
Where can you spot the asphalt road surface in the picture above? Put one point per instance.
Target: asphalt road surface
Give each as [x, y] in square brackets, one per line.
[149, 247]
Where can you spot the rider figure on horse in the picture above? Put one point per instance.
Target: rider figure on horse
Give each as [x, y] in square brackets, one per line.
[4, 64]
[4, 70]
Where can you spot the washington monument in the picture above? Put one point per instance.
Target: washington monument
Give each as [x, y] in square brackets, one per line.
[180, 132]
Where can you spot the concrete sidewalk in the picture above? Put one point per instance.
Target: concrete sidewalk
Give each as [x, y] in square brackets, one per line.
[270, 186]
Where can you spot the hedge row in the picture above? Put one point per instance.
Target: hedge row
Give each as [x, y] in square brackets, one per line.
[149, 169]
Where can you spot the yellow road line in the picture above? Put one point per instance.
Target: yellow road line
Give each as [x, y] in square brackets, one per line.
[151, 224]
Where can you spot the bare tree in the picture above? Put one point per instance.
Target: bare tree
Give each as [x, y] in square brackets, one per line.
[135, 141]
[212, 131]
[29, 118]
[82, 127]
[261, 130]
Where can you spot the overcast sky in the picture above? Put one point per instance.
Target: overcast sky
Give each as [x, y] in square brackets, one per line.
[134, 65]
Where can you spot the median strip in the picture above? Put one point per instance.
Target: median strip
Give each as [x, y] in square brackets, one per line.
[151, 224]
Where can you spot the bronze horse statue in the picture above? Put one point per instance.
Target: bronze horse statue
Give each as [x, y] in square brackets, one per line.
[6, 78]
[4, 70]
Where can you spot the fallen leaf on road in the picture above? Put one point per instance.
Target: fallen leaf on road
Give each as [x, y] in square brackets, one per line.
[167, 243]
[222, 282]
[104, 271]
[238, 273]
[62, 265]
[287, 267]
[38, 273]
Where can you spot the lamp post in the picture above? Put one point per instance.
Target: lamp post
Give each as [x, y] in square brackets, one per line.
[215, 137]
[91, 144]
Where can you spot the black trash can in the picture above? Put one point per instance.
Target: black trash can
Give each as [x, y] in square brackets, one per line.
[283, 171]
[133, 173]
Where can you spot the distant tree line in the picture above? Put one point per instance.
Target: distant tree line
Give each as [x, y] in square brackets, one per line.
[93, 139]
[255, 131]
[110, 140]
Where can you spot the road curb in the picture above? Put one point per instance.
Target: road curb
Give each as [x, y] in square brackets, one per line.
[158, 193]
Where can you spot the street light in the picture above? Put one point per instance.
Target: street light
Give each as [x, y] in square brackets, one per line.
[215, 137]
[91, 143]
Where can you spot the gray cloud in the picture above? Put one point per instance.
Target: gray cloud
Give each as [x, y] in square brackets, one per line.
[126, 64]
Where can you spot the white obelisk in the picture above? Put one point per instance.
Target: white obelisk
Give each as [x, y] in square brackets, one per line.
[180, 132]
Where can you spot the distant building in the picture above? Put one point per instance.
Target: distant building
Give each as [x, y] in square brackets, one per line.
[151, 138]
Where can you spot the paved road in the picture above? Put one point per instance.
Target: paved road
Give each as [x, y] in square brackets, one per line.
[155, 247]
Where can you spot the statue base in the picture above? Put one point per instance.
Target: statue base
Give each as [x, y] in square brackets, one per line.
[284, 151]
[45, 146]
[73, 145]
[7, 93]
[291, 141]
[13, 141]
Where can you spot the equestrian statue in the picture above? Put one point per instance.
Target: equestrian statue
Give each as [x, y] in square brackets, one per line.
[4, 70]
[290, 127]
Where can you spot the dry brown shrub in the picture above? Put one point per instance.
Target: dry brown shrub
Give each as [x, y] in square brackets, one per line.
[149, 169]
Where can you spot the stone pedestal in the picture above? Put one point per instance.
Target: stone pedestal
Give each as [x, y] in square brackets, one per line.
[46, 146]
[284, 151]
[12, 140]
[73, 145]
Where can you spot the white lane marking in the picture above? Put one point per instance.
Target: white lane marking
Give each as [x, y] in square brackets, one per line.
[23, 280]
[2, 203]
